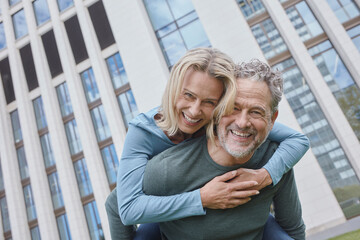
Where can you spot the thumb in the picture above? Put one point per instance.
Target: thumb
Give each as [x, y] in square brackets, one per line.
[227, 176]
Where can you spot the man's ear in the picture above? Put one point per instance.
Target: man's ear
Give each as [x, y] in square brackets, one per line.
[274, 116]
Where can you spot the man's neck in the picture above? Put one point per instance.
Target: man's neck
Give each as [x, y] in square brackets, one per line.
[222, 157]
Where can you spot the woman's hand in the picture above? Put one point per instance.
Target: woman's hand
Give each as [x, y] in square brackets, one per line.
[219, 193]
[261, 176]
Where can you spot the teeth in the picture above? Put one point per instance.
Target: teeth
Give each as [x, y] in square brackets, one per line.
[240, 134]
[191, 120]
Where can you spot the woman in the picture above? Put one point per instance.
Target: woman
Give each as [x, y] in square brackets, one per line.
[201, 81]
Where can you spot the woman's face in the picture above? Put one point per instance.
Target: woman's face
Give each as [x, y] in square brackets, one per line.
[198, 97]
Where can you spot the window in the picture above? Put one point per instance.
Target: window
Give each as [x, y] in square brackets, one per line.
[73, 137]
[41, 11]
[111, 162]
[251, 8]
[19, 22]
[64, 4]
[344, 9]
[100, 123]
[117, 71]
[7, 80]
[24, 170]
[128, 106]
[268, 38]
[63, 227]
[2, 187]
[30, 204]
[101, 25]
[304, 21]
[55, 189]
[323, 141]
[29, 67]
[16, 126]
[35, 233]
[52, 53]
[39, 113]
[176, 26]
[76, 39]
[93, 221]
[82, 177]
[5, 215]
[339, 81]
[354, 33]
[64, 99]
[47, 150]
[2, 36]
[89, 84]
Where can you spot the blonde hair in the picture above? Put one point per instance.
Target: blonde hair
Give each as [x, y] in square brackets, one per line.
[207, 60]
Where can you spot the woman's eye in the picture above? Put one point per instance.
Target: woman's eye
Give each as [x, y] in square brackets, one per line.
[188, 95]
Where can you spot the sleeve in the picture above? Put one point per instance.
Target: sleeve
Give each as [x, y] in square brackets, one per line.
[134, 206]
[287, 208]
[293, 145]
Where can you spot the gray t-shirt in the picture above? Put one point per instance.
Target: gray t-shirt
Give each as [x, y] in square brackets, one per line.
[189, 166]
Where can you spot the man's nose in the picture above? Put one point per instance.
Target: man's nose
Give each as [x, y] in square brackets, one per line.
[195, 108]
[243, 119]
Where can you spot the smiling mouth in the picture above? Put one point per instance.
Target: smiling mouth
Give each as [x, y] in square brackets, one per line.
[240, 134]
[191, 120]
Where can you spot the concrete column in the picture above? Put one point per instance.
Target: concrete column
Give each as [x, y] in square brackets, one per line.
[135, 36]
[64, 164]
[39, 183]
[338, 36]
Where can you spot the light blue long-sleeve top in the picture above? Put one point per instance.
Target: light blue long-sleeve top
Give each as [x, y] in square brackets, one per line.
[145, 139]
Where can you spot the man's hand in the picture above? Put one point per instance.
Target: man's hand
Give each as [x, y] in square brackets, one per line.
[261, 176]
[221, 194]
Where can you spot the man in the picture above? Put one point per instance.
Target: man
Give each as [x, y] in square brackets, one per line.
[239, 142]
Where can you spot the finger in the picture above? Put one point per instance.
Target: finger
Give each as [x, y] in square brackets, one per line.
[244, 194]
[237, 202]
[243, 185]
[227, 176]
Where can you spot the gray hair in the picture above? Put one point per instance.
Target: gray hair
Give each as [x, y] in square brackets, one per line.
[259, 71]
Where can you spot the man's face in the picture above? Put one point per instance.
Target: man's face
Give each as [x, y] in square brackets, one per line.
[242, 132]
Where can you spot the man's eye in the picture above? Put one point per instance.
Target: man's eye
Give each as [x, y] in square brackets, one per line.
[210, 103]
[256, 114]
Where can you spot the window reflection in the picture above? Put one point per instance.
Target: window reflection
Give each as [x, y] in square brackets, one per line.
[354, 33]
[55, 190]
[64, 4]
[63, 227]
[304, 21]
[23, 167]
[39, 113]
[111, 162]
[30, 204]
[128, 106]
[100, 123]
[16, 126]
[2, 36]
[176, 26]
[73, 137]
[64, 99]
[268, 38]
[5, 215]
[35, 233]
[20, 27]
[89, 84]
[12, 2]
[47, 150]
[41, 11]
[82, 177]
[93, 221]
[251, 8]
[344, 9]
[339, 81]
[117, 71]
[324, 143]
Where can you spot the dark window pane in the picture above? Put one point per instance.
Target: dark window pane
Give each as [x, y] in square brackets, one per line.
[76, 39]
[52, 53]
[7, 80]
[101, 24]
[29, 67]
